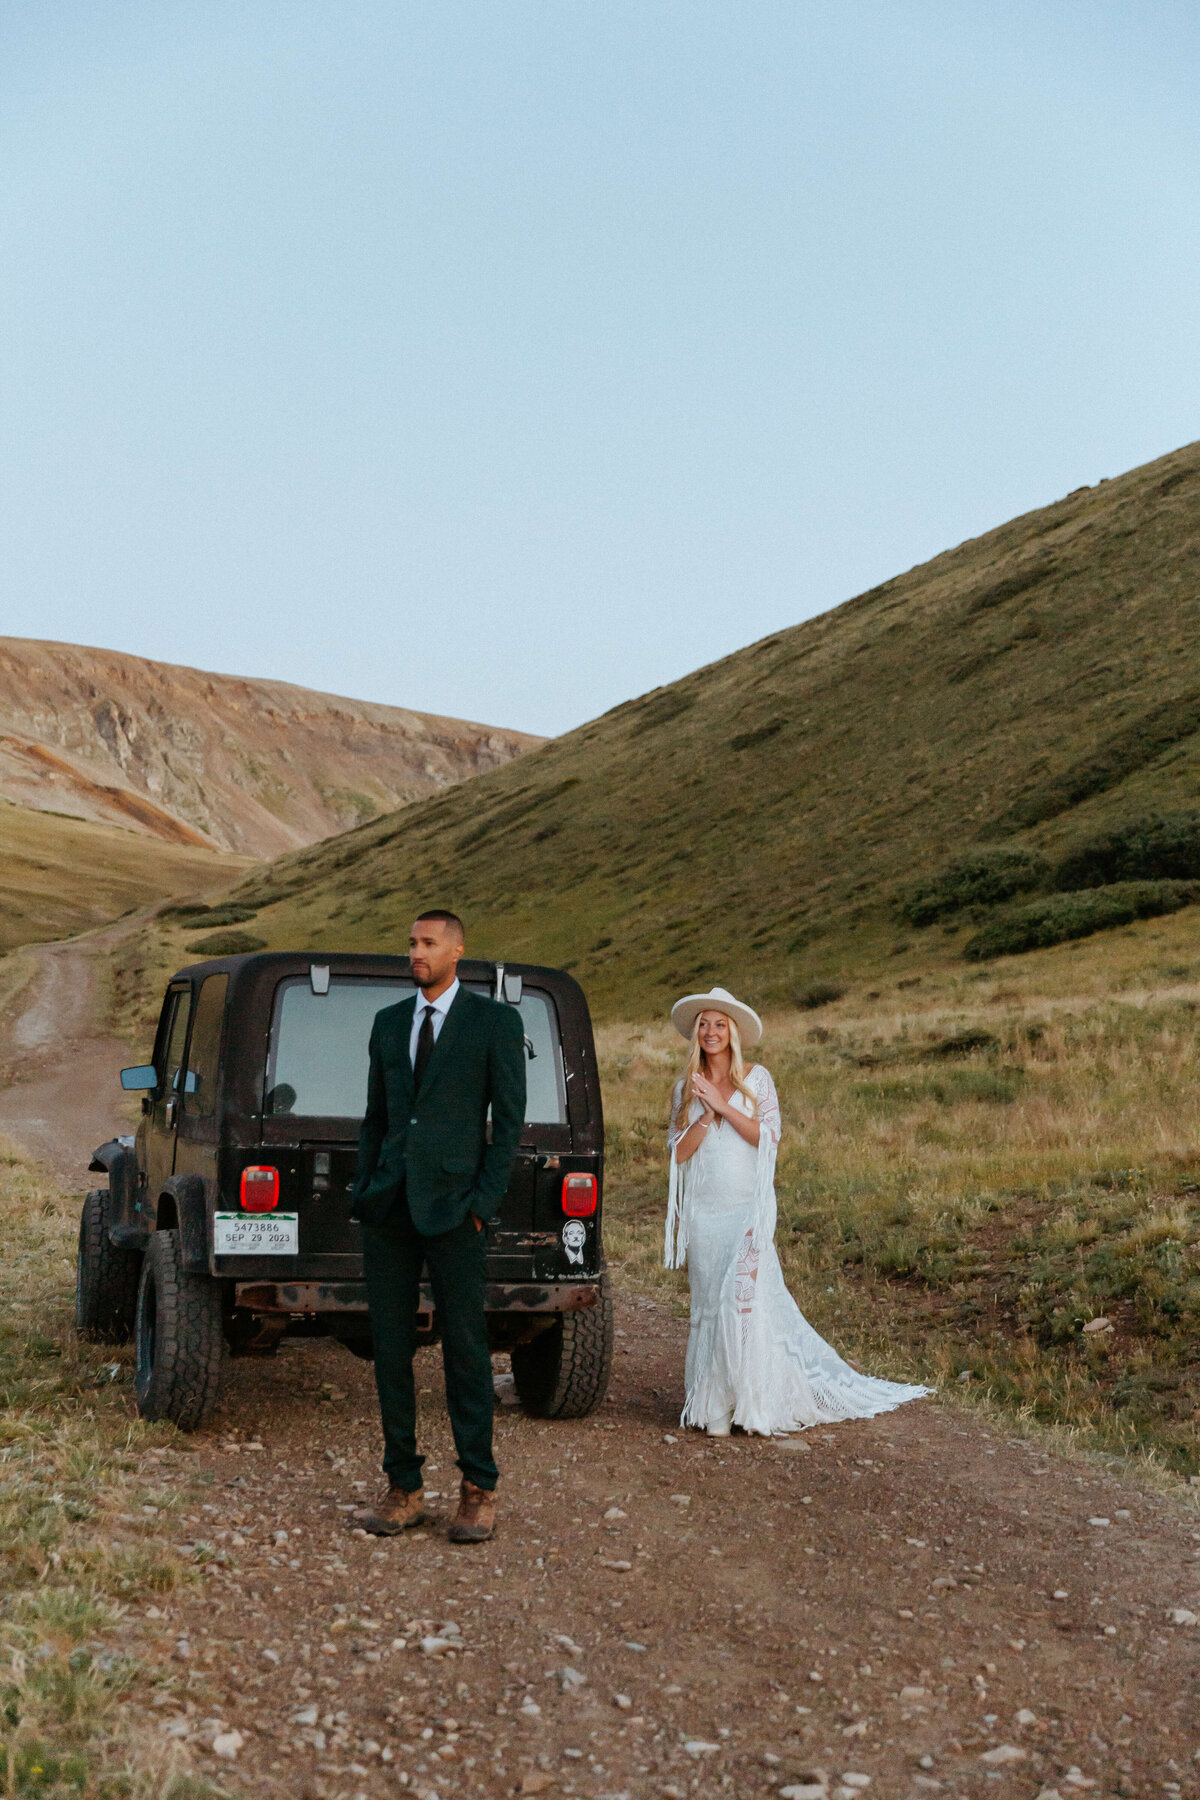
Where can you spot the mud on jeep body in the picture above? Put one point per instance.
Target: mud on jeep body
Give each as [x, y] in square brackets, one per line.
[225, 1223]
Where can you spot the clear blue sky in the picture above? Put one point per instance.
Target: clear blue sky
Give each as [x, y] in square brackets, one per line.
[510, 359]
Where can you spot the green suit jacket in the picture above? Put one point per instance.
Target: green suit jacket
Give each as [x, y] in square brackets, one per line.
[433, 1145]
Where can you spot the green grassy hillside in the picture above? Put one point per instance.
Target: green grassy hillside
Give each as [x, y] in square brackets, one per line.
[755, 820]
[65, 875]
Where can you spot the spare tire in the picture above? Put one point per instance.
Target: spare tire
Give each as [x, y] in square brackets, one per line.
[180, 1342]
[563, 1372]
[106, 1279]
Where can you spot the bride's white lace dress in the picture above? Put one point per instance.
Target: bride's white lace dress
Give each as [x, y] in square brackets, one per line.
[753, 1359]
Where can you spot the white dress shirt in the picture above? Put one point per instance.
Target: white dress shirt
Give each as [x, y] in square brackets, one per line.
[441, 1006]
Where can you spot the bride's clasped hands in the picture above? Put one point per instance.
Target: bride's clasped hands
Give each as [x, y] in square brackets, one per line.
[716, 1103]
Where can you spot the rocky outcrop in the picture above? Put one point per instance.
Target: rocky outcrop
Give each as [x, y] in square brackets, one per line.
[253, 766]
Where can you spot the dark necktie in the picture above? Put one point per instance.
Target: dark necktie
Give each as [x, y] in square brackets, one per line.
[424, 1047]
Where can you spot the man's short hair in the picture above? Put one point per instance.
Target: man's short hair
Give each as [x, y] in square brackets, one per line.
[449, 919]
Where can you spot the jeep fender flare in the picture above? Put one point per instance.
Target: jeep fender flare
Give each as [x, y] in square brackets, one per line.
[183, 1207]
[119, 1162]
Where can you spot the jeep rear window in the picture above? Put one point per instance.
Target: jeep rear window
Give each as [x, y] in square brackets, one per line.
[317, 1056]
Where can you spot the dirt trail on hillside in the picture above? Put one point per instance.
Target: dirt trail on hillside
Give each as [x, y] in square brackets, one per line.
[911, 1606]
[62, 1094]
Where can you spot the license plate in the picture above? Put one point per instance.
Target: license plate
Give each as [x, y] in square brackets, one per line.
[264, 1234]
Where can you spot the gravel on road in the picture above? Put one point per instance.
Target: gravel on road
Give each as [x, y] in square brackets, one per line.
[912, 1605]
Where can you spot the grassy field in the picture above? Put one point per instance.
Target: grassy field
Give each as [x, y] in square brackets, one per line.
[66, 875]
[970, 1174]
[1025, 689]
[978, 1161]
[83, 1499]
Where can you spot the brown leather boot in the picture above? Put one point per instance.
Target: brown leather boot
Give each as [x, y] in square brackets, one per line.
[476, 1517]
[399, 1510]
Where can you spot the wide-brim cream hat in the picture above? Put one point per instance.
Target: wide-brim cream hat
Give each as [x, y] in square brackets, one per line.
[685, 1012]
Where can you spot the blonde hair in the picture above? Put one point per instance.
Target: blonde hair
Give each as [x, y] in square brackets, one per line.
[697, 1063]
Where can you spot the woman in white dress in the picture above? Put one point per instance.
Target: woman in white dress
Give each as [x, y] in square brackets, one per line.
[753, 1360]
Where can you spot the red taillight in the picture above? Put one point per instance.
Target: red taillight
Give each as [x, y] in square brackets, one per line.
[579, 1196]
[260, 1189]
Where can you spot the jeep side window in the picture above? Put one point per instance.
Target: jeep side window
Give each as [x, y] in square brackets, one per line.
[181, 1006]
[205, 1050]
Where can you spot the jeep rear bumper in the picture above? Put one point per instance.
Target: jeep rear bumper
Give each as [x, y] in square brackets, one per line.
[302, 1298]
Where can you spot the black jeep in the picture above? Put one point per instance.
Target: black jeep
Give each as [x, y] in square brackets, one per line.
[226, 1220]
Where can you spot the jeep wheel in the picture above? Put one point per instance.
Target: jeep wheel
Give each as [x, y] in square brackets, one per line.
[358, 1343]
[563, 1372]
[106, 1279]
[180, 1345]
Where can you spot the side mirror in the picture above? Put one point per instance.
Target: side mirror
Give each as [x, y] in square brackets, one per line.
[512, 989]
[190, 1082]
[144, 1076]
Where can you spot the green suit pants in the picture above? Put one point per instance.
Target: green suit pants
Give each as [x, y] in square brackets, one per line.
[394, 1255]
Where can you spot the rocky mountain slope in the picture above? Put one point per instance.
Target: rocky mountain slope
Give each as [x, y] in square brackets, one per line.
[251, 766]
[757, 818]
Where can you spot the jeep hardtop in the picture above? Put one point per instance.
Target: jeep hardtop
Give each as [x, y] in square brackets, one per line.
[225, 1225]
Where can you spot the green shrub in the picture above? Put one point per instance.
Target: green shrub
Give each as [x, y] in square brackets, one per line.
[980, 878]
[954, 1087]
[1062, 917]
[746, 740]
[230, 915]
[503, 817]
[227, 943]
[961, 1043]
[996, 593]
[1112, 762]
[659, 708]
[818, 993]
[187, 913]
[1161, 846]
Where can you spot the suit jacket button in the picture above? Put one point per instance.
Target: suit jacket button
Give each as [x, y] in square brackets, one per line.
[412, 1121]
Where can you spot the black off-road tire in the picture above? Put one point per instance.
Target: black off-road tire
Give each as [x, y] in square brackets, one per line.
[106, 1279]
[563, 1372]
[358, 1343]
[180, 1343]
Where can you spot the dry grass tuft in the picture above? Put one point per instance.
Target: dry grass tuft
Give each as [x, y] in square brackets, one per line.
[76, 1549]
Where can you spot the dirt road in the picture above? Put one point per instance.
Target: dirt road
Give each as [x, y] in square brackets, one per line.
[62, 1096]
[911, 1606]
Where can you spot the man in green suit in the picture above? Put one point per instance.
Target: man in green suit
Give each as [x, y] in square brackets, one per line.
[428, 1182]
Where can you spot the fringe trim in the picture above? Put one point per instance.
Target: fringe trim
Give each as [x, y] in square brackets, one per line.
[675, 1240]
[765, 1211]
